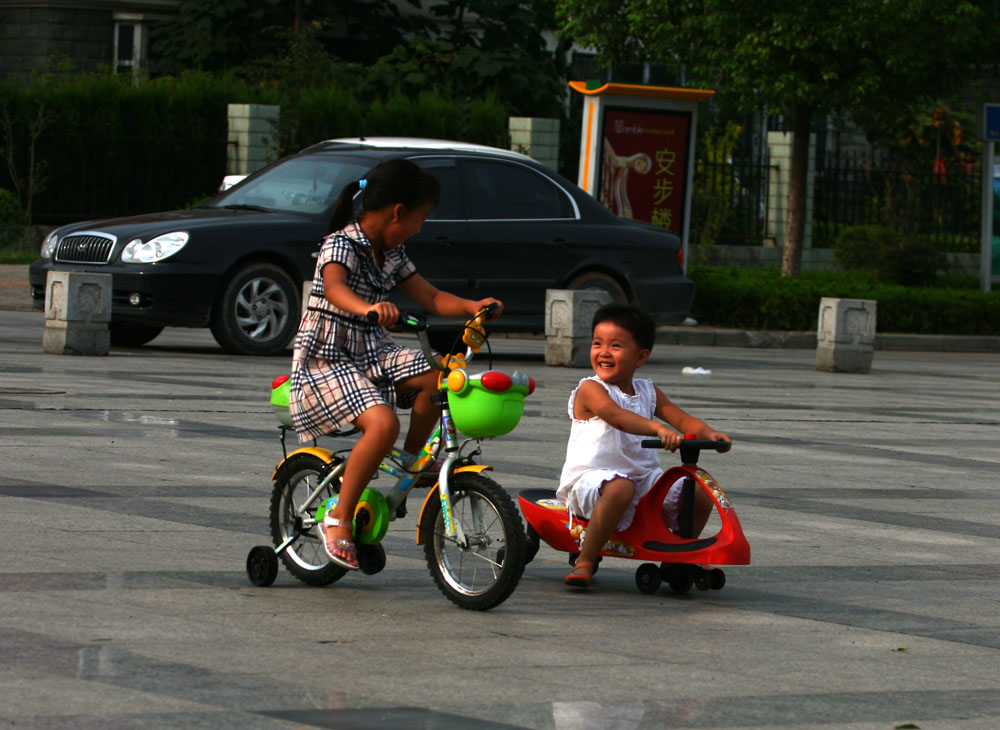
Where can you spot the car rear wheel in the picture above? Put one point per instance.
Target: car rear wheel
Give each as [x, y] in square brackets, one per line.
[602, 281]
[257, 312]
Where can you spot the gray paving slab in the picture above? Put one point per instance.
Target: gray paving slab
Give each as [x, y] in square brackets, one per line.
[133, 485]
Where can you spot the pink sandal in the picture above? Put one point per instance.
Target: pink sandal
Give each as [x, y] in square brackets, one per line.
[341, 544]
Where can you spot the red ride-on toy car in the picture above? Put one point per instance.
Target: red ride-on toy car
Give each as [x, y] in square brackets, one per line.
[680, 559]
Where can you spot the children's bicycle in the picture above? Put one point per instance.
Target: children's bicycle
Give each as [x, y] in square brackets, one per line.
[682, 559]
[470, 529]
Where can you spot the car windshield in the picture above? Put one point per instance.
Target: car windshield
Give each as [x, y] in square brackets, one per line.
[299, 185]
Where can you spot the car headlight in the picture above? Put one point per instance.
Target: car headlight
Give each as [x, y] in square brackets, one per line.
[156, 249]
[49, 245]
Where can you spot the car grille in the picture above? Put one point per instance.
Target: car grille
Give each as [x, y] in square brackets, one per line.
[85, 248]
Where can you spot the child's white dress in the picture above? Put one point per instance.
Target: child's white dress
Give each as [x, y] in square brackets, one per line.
[598, 452]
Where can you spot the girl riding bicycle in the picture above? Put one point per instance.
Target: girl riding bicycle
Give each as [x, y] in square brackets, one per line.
[346, 370]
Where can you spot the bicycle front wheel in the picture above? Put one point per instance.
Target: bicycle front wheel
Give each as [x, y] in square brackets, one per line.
[484, 572]
[296, 481]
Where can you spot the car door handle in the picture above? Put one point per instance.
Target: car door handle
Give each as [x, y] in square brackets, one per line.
[560, 242]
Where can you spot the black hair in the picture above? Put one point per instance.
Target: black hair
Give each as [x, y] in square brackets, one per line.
[388, 183]
[631, 318]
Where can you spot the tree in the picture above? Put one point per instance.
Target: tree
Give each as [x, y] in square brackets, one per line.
[871, 59]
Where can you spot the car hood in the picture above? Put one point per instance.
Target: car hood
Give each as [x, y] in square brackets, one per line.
[152, 224]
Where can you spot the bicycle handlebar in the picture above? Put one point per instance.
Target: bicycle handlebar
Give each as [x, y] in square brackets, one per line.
[406, 322]
[417, 323]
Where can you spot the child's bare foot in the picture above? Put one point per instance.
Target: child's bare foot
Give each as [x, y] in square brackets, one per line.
[581, 574]
[337, 543]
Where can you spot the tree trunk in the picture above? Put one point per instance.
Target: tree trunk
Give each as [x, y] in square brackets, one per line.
[795, 222]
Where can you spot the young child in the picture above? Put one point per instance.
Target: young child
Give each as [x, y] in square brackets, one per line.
[607, 471]
[346, 370]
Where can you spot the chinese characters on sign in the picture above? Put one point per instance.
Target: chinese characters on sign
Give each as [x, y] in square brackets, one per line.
[643, 165]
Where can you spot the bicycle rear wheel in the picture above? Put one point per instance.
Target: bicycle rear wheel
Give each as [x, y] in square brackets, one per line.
[486, 571]
[296, 481]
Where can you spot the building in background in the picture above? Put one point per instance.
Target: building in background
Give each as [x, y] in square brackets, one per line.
[89, 34]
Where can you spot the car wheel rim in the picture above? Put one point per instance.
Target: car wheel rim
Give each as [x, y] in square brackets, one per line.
[261, 309]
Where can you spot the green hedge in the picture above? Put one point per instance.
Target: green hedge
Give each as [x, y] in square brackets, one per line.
[763, 299]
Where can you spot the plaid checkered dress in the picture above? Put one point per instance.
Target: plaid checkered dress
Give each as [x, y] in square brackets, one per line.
[341, 364]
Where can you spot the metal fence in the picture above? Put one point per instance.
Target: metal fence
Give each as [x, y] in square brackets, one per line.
[849, 190]
[940, 204]
[737, 193]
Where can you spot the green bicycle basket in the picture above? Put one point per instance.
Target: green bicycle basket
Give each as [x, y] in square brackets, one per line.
[279, 399]
[487, 404]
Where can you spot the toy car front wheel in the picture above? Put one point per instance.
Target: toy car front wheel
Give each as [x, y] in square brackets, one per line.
[647, 578]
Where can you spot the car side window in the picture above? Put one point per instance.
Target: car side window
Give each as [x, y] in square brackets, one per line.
[501, 190]
[446, 172]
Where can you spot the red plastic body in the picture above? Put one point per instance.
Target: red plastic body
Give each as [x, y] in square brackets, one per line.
[648, 537]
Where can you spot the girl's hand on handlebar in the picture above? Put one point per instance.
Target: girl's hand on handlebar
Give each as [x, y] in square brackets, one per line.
[385, 313]
[497, 307]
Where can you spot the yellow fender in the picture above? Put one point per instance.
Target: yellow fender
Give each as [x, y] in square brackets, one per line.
[324, 454]
[433, 492]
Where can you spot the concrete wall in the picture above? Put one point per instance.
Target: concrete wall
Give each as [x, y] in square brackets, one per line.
[779, 146]
[536, 137]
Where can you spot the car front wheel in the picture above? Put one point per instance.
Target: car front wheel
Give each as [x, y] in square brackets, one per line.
[257, 312]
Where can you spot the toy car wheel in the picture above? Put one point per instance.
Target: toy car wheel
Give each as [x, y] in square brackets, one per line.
[680, 583]
[717, 578]
[371, 558]
[703, 581]
[262, 566]
[647, 578]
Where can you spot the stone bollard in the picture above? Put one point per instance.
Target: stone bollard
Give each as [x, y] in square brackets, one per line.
[845, 340]
[568, 314]
[77, 313]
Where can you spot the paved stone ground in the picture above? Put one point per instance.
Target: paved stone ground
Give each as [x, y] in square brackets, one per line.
[133, 485]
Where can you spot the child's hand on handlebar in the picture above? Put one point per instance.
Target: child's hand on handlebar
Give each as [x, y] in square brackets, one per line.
[385, 313]
[669, 438]
[495, 310]
[717, 436]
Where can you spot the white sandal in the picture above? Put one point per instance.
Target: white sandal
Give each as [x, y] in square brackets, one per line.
[341, 544]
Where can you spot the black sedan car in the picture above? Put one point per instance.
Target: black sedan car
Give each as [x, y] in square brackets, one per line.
[505, 227]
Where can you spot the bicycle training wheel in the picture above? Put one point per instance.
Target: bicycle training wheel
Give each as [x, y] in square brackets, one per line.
[296, 481]
[483, 574]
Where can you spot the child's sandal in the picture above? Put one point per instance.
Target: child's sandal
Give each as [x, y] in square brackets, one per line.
[342, 544]
[579, 577]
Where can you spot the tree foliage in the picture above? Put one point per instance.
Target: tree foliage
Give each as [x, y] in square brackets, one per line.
[461, 48]
[875, 60]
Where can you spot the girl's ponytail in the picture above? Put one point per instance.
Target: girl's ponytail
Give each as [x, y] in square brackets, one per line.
[343, 209]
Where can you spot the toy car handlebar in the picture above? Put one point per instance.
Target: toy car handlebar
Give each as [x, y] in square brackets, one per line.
[720, 446]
